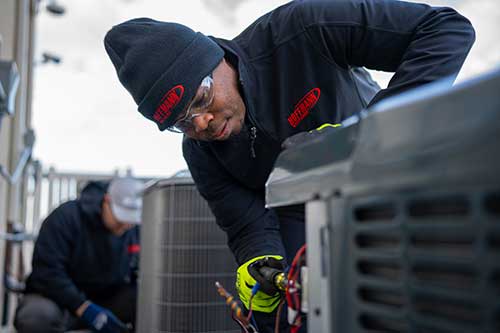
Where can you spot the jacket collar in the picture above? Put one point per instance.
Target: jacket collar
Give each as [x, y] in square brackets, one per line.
[235, 55]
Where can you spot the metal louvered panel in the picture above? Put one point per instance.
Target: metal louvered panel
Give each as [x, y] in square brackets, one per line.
[184, 253]
[424, 262]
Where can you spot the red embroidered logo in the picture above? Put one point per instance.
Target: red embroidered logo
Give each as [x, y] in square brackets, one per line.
[303, 107]
[167, 103]
[133, 248]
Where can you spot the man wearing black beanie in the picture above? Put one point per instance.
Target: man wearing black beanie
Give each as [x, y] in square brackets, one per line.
[293, 70]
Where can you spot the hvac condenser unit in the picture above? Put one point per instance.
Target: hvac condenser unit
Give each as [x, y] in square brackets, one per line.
[183, 253]
[403, 213]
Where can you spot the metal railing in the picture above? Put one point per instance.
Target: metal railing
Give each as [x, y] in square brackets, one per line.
[47, 190]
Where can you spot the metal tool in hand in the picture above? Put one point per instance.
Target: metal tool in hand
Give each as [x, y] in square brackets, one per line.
[266, 275]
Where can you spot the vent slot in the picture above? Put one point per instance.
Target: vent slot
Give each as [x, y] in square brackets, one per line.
[380, 324]
[462, 278]
[454, 311]
[375, 213]
[382, 297]
[389, 271]
[377, 241]
[443, 244]
[452, 206]
[494, 242]
[492, 203]
[495, 280]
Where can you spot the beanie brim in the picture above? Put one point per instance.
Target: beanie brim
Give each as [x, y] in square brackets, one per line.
[171, 93]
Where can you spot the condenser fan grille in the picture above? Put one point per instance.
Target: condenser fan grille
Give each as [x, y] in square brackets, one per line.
[186, 253]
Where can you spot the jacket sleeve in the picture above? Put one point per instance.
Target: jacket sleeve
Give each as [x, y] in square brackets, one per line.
[419, 43]
[252, 230]
[51, 256]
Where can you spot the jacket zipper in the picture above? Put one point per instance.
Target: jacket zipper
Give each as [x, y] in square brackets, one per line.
[253, 129]
[253, 136]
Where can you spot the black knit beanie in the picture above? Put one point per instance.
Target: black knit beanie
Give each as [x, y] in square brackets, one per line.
[161, 64]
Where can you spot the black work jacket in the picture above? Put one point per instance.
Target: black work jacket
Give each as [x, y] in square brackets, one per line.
[299, 66]
[77, 258]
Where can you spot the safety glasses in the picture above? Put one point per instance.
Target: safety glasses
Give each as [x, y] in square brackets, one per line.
[199, 105]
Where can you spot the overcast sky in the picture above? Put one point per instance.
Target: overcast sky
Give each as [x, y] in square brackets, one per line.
[86, 121]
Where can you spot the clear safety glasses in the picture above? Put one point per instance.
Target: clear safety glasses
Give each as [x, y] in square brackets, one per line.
[198, 106]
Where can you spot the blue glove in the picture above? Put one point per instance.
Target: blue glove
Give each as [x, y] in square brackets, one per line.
[102, 320]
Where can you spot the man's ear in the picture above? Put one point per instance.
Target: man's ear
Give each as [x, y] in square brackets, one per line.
[106, 199]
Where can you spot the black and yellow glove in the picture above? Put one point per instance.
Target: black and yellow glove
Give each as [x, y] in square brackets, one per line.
[302, 137]
[268, 297]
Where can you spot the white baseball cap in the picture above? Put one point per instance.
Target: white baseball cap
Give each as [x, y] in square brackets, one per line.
[126, 199]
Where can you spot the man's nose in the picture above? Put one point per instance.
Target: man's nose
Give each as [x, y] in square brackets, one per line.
[202, 121]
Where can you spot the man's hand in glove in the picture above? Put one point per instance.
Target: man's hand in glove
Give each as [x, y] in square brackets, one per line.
[302, 137]
[102, 320]
[268, 296]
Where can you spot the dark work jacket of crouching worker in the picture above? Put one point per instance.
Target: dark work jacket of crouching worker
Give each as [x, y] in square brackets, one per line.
[238, 101]
[85, 263]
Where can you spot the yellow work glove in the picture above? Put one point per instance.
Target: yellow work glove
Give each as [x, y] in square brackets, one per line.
[302, 137]
[268, 297]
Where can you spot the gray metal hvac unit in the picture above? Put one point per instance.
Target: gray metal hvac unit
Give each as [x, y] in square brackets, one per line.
[183, 253]
[403, 213]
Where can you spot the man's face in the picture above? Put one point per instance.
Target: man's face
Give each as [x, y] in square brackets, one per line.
[225, 115]
[115, 226]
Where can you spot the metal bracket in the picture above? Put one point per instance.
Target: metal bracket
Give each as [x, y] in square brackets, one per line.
[29, 141]
[9, 82]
